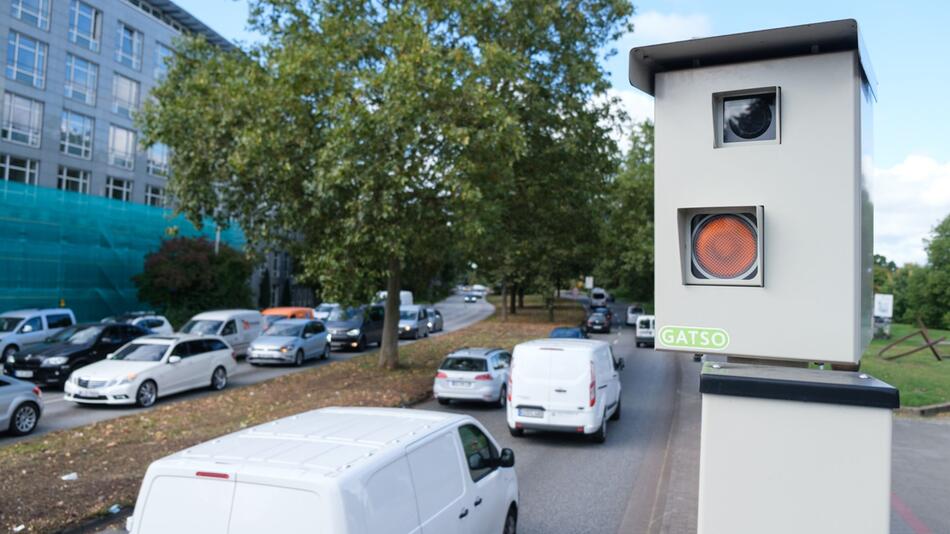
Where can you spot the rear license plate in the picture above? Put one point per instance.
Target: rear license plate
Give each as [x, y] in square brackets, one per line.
[23, 374]
[460, 384]
[530, 412]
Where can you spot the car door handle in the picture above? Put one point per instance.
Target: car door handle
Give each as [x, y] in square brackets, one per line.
[602, 387]
[559, 390]
[464, 513]
[478, 500]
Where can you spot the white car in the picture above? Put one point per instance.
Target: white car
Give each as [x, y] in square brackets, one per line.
[155, 324]
[598, 297]
[564, 385]
[473, 374]
[151, 367]
[21, 328]
[340, 471]
[633, 312]
[646, 330]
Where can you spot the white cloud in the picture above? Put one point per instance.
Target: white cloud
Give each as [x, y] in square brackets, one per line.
[910, 198]
[652, 27]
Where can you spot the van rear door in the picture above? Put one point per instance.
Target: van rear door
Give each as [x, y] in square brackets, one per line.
[530, 377]
[185, 502]
[570, 381]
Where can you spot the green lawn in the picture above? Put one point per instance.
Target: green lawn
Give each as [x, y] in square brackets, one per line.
[922, 380]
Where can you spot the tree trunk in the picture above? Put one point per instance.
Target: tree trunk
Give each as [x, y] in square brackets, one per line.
[511, 307]
[521, 297]
[389, 347]
[504, 301]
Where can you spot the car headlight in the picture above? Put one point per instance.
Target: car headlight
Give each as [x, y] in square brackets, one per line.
[406, 328]
[287, 348]
[127, 379]
[54, 361]
[353, 333]
[11, 359]
[429, 324]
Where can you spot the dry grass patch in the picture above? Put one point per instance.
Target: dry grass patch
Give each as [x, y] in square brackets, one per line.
[110, 457]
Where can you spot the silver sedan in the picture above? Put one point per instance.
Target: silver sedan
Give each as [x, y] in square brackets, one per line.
[21, 406]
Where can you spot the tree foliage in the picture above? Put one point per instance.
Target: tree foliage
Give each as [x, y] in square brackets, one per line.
[185, 276]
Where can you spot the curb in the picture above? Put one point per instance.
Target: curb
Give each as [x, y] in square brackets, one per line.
[925, 411]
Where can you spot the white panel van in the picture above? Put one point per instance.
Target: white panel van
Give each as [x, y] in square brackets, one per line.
[238, 327]
[336, 471]
[564, 385]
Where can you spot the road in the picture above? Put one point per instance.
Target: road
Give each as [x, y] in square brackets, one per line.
[60, 414]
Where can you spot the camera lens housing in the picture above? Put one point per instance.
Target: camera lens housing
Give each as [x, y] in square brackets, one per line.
[748, 116]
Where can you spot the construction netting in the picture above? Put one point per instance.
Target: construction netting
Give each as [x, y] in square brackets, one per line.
[59, 248]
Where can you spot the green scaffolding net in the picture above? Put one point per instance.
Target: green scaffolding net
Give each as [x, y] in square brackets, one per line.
[81, 251]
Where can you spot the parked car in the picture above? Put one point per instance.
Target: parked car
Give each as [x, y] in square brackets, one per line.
[646, 330]
[471, 298]
[21, 405]
[290, 341]
[154, 323]
[323, 311]
[405, 297]
[355, 328]
[413, 322]
[237, 327]
[606, 311]
[598, 297]
[50, 363]
[151, 367]
[473, 374]
[633, 312]
[272, 315]
[564, 385]
[368, 471]
[598, 322]
[436, 322]
[21, 328]
[569, 332]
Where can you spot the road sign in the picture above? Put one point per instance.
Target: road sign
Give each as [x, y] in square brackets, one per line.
[588, 282]
[883, 305]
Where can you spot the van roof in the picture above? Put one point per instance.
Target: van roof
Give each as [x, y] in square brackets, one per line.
[319, 444]
[219, 314]
[283, 310]
[36, 310]
[560, 343]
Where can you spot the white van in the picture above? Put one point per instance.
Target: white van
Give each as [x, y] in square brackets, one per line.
[598, 297]
[646, 330]
[238, 327]
[336, 470]
[564, 385]
[405, 297]
[21, 328]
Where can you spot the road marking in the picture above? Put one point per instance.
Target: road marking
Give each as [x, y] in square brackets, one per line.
[908, 516]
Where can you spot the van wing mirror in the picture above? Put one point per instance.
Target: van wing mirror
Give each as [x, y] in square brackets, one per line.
[507, 458]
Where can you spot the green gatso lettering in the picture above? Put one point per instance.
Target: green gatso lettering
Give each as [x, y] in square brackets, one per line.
[693, 337]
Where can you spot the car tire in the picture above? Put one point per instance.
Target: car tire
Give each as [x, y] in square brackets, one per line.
[503, 397]
[326, 352]
[444, 402]
[146, 394]
[219, 378]
[361, 344]
[511, 521]
[24, 419]
[298, 358]
[9, 351]
[415, 334]
[516, 432]
[616, 415]
[601, 435]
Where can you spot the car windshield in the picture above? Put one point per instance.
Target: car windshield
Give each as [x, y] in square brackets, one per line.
[341, 314]
[566, 332]
[83, 335]
[7, 324]
[201, 326]
[408, 315]
[141, 352]
[636, 310]
[326, 308]
[597, 317]
[64, 334]
[284, 330]
[601, 310]
[464, 364]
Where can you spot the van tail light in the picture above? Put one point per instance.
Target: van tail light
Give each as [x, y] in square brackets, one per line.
[209, 474]
[485, 376]
[511, 371]
[593, 385]
[37, 391]
[440, 374]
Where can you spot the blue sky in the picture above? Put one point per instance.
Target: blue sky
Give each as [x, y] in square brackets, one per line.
[909, 51]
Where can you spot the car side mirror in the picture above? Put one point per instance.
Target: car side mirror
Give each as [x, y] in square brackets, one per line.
[621, 364]
[174, 359]
[110, 355]
[109, 341]
[507, 458]
[308, 335]
[26, 329]
[476, 461]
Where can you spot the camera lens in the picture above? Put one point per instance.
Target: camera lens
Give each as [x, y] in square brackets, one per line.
[749, 117]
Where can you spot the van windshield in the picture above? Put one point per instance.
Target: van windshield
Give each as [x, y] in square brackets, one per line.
[201, 326]
[465, 364]
[7, 324]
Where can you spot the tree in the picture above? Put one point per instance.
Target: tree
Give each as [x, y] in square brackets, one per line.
[184, 277]
[883, 274]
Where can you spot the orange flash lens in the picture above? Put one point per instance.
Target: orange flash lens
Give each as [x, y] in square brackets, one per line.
[725, 246]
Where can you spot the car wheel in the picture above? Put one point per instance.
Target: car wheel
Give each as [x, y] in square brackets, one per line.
[516, 432]
[219, 379]
[616, 415]
[601, 435]
[503, 397]
[146, 394]
[9, 351]
[24, 419]
[298, 358]
[326, 352]
[415, 334]
[511, 522]
[444, 402]
[361, 344]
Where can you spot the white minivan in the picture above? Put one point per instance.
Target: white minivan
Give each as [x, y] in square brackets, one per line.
[336, 470]
[598, 297]
[238, 327]
[21, 328]
[564, 385]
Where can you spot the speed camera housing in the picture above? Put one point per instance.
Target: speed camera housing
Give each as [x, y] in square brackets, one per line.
[763, 219]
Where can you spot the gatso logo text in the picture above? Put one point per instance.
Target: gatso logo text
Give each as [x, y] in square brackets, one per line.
[692, 337]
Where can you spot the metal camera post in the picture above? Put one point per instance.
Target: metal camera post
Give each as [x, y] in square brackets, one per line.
[763, 254]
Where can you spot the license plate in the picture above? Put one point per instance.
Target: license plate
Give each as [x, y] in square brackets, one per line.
[87, 393]
[459, 384]
[23, 374]
[530, 412]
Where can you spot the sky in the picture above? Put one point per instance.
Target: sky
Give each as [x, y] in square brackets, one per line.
[907, 44]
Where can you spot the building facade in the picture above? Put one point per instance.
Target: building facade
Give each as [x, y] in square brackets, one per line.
[75, 72]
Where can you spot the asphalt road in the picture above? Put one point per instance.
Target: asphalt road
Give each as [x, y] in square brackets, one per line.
[60, 414]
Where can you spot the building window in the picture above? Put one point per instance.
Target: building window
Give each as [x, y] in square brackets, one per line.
[75, 180]
[125, 95]
[118, 189]
[76, 135]
[85, 25]
[35, 12]
[163, 55]
[22, 170]
[26, 59]
[121, 147]
[81, 79]
[22, 120]
[155, 196]
[128, 46]
[158, 157]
